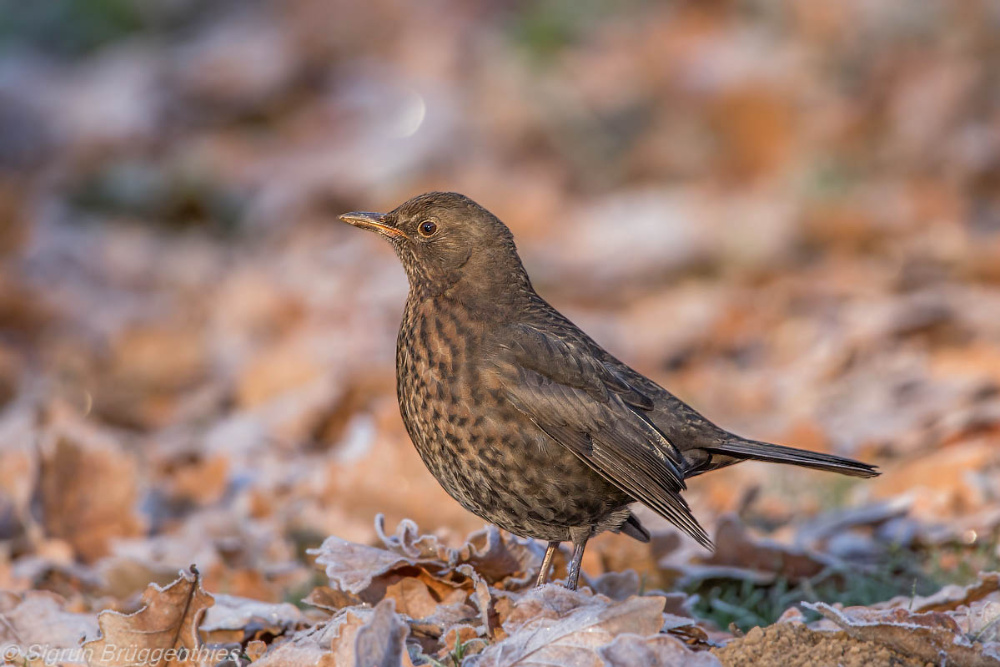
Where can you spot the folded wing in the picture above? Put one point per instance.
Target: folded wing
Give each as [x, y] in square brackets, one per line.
[585, 405]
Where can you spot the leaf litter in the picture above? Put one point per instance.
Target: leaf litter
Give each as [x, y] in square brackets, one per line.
[196, 364]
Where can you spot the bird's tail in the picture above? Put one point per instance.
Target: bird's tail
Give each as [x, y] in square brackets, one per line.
[740, 448]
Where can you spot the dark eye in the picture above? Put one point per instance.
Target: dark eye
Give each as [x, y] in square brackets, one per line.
[428, 228]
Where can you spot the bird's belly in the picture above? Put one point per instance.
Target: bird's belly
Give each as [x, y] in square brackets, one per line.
[493, 460]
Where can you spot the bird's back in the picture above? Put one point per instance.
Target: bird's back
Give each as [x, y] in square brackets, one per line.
[681, 424]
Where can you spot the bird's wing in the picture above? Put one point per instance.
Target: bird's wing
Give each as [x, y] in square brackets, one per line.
[583, 404]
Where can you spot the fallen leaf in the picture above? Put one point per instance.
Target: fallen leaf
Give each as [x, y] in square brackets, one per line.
[88, 487]
[19, 464]
[352, 567]
[39, 618]
[617, 585]
[657, 651]
[929, 636]
[938, 482]
[166, 626]
[953, 596]
[380, 641]
[982, 622]
[331, 599]
[255, 649]
[329, 644]
[571, 638]
[413, 598]
[234, 618]
[736, 548]
[449, 575]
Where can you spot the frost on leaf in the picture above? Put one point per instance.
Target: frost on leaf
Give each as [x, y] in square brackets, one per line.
[380, 642]
[930, 636]
[952, 597]
[167, 622]
[656, 651]
[549, 633]
[40, 618]
[357, 637]
[496, 557]
[232, 619]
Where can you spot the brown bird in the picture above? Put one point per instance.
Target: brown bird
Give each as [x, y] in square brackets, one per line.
[521, 416]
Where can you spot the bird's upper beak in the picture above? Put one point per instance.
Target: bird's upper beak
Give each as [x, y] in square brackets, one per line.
[375, 222]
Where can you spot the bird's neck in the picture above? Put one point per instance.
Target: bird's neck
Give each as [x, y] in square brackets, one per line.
[482, 294]
[492, 285]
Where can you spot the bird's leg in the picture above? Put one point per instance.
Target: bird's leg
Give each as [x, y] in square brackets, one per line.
[573, 576]
[543, 574]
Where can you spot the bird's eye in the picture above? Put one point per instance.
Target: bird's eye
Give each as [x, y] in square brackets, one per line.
[428, 228]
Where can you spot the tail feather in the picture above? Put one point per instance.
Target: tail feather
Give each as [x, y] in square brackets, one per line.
[634, 529]
[763, 451]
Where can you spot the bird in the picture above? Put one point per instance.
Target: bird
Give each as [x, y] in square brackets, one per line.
[522, 417]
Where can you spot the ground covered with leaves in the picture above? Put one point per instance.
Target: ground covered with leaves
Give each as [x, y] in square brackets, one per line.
[787, 213]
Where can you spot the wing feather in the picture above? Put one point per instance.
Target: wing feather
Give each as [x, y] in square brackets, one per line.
[585, 406]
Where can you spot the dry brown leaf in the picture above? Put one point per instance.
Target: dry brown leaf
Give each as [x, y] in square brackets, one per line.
[429, 631]
[497, 557]
[548, 602]
[381, 641]
[953, 596]
[735, 547]
[822, 529]
[54, 569]
[617, 585]
[552, 638]
[149, 369]
[494, 555]
[414, 598]
[196, 479]
[930, 637]
[685, 629]
[369, 571]
[124, 576]
[360, 637]
[464, 635]
[408, 541]
[165, 627]
[88, 487]
[22, 307]
[19, 462]
[757, 126]
[283, 368]
[981, 621]
[352, 567]
[39, 619]
[331, 599]
[255, 649]
[939, 481]
[234, 553]
[483, 599]
[234, 618]
[657, 651]
[329, 644]
[152, 358]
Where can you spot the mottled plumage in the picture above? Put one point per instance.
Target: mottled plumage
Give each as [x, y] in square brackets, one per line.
[522, 417]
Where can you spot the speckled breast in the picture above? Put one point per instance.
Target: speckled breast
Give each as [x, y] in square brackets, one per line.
[487, 455]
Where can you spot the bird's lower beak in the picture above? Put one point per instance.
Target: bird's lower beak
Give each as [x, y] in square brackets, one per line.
[373, 221]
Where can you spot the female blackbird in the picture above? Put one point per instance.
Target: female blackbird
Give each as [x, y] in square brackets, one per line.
[522, 417]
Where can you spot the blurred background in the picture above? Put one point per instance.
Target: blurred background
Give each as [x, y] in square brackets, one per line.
[788, 213]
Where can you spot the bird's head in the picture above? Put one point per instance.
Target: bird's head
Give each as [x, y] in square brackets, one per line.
[445, 240]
